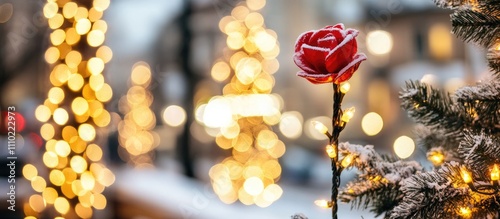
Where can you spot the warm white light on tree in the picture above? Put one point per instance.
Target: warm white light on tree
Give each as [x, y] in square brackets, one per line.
[466, 176]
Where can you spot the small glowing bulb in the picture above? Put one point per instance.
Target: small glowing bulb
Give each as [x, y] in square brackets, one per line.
[323, 203]
[348, 114]
[330, 150]
[344, 87]
[347, 160]
[465, 211]
[320, 127]
[466, 176]
[495, 173]
[436, 158]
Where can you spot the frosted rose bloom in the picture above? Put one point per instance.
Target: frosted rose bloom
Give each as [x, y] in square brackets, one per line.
[328, 54]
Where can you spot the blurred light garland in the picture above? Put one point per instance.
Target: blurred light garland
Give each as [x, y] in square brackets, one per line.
[136, 139]
[76, 176]
[247, 109]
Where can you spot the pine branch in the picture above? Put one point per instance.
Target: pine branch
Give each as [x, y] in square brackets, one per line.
[451, 4]
[432, 108]
[473, 26]
[491, 7]
[481, 103]
[433, 194]
[493, 57]
[428, 138]
[479, 152]
[379, 179]
[380, 196]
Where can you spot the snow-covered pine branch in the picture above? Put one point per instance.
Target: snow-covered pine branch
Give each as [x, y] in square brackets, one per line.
[378, 183]
[433, 108]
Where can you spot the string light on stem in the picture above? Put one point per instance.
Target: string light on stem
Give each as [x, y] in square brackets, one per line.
[345, 87]
[347, 160]
[323, 203]
[348, 114]
[321, 128]
[331, 151]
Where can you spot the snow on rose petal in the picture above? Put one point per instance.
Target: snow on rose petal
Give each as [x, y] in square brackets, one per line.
[328, 55]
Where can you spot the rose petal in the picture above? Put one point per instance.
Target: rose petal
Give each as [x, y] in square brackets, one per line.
[299, 60]
[340, 26]
[316, 78]
[341, 55]
[347, 72]
[304, 37]
[318, 35]
[316, 57]
[329, 41]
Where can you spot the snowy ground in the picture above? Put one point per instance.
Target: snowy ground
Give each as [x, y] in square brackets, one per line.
[191, 199]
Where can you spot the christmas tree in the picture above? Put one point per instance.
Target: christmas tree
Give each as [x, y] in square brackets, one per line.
[460, 131]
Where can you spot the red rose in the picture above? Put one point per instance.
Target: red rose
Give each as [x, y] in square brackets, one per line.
[328, 55]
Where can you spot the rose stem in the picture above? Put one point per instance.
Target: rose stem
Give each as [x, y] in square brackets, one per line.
[338, 126]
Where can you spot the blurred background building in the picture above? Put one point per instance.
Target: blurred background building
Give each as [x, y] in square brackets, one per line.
[177, 55]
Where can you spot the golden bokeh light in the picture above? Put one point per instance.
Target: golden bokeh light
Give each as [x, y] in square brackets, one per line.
[49, 195]
[101, 5]
[291, 124]
[94, 152]
[404, 147]
[75, 100]
[83, 26]
[43, 113]
[379, 42]
[104, 53]
[56, 21]
[95, 38]
[95, 65]
[174, 115]
[86, 132]
[75, 82]
[239, 119]
[56, 177]
[372, 123]
[78, 164]
[141, 73]
[220, 71]
[52, 55]
[29, 171]
[50, 159]
[105, 93]
[38, 183]
[256, 4]
[60, 116]
[50, 9]
[57, 37]
[72, 36]
[47, 131]
[69, 10]
[61, 205]
[136, 138]
[81, 13]
[37, 203]
[100, 25]
[79, 106]
[56, 95]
